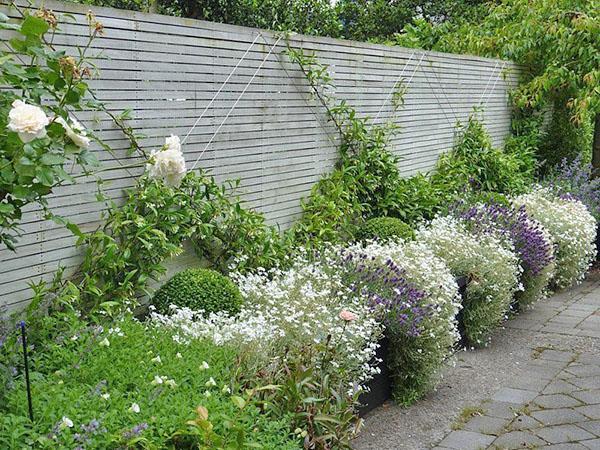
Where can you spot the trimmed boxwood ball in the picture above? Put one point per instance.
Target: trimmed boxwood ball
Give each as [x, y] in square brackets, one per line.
[197, 289]
[385, 229]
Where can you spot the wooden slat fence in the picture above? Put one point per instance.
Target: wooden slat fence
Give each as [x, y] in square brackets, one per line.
[276, 140]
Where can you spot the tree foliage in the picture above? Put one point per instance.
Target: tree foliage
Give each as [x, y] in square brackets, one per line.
[381, 19]
[555, 40]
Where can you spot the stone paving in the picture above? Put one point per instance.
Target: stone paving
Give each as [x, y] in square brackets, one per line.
[554, 401]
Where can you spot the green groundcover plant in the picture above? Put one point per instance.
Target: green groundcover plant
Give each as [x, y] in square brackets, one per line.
[132, 386]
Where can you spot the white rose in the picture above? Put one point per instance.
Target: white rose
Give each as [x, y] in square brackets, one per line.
[75, 132]
[168, 163]
[29, 121]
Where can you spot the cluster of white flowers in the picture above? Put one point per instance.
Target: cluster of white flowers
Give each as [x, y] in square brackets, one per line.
[492, 270]
[30, 122]
[292, 309]
[573, 230]
[168, 163]
[430, 275]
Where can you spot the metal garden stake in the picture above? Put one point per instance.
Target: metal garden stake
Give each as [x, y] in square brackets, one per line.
[26, 363]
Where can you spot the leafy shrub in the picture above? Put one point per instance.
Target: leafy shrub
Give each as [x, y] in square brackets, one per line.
[529, 239]
[573, 230]
[364, 181]
[151, 226]
[132, 385]
[473, 161]
[232, 237]
[40, 142]
[575, 180]
[199, 289]
[385, 229]
[564, 139]
[417, 198]
[492, 272]
[422, 307]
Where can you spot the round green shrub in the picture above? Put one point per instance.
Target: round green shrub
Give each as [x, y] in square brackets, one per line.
[385, 229]
[197, 289]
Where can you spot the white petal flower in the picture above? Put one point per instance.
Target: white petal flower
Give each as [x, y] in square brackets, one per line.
[157, 380]
[204, 366]
[211, 382]
[104, 343]
[105, 396]
[65, 422]
[171, 383]
[29, 121]
[168, 163]
[134, 408]
[156, 360]
[75, 132]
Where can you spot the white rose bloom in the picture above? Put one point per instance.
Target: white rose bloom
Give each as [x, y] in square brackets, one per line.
[168, 163]
[75, 132]
[29, 121]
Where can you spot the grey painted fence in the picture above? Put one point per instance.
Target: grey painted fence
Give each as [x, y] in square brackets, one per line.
[276, 139]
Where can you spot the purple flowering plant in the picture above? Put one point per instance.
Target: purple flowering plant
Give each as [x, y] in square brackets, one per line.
[574, 180]
[386, 289]
[530, 241]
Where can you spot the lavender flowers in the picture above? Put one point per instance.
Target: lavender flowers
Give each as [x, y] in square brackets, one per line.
[531, 242]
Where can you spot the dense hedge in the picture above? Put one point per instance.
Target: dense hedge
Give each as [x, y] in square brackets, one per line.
[199, 289]
[385, 229]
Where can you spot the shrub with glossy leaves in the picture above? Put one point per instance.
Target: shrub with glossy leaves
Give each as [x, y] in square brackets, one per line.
[385, 229]
[199, 289]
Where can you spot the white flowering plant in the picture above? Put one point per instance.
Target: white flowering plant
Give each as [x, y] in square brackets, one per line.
[520, 232]
[492, 271]
[422, 301]
[573, 230]
[290, 311]
[39, 136]
[168, 163]
[304, 330]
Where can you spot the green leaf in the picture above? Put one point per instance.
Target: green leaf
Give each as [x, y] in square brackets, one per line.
[50, 159]
[9, 26]
[34, 26]
[238, 401]
[45, 175]
[6, 208]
